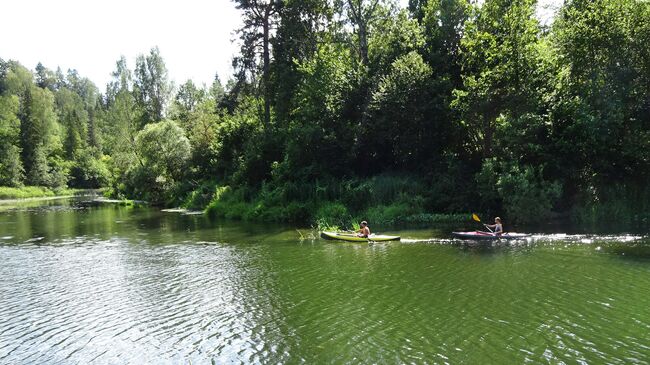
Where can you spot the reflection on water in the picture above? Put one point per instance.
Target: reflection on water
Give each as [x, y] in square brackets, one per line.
[87, 283]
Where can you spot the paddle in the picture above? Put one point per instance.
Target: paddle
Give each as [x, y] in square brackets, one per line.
[476, 218]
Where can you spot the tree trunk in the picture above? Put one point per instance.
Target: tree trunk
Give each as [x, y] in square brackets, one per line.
[363, 43]
[266, 67]
[487, 137]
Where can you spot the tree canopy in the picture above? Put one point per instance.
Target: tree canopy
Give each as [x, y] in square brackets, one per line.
[476, 101]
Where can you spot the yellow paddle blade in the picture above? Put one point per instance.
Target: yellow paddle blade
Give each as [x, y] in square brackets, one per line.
[475, 217]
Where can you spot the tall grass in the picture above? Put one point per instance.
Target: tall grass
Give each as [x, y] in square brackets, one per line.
[331, 204]
[622, 208]
[33, 192]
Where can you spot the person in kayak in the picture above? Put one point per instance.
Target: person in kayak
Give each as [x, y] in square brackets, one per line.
[364, 231]
[498, 227]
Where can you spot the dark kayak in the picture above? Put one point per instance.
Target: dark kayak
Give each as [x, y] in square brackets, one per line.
[480, 235]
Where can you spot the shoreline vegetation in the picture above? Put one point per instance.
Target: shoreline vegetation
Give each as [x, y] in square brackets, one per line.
[37, 192]
[378, 113]
[383, 200]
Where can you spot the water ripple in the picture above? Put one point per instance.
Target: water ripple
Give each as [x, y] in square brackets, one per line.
[145, 298]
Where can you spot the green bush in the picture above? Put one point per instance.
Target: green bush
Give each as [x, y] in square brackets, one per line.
[332, 216]
[527, 197]
[391, 214]
[89, 172]
[163, 152]
[620, 207]
[200, 197]
[521, 192]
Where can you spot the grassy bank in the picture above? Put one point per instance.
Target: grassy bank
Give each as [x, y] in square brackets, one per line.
[382, 200]
[623, 208]
[26, 192]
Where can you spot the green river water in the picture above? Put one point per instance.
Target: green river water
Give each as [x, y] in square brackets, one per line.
[90, 283]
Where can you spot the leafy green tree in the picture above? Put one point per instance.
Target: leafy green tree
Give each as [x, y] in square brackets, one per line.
[322, 133]
[396, 36]
[523, 192]
[151, 87]
[600, 110]
[188, 97]
[88, 171]
[164, 153]
[74, 118]
[164, 149]
[259, 17]
[17, 80]
[41, 144]
[444, 22]
[60, 79]
[499, 64]
[217, 91]
[303, 24]
[45, 78]
[121, 124]
[408, 131]
[416, 8]
[361, 15]
[203, 124]
[11, 169]
[232, 133]
[122, 80]
[90, 97]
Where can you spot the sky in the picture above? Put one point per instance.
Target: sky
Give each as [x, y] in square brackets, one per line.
[195, 37]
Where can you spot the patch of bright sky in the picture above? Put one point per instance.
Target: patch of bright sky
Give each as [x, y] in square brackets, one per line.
[195, 37]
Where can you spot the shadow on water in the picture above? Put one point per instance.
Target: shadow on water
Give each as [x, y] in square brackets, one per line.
[636, 251]
[65, 220]
[492, 248]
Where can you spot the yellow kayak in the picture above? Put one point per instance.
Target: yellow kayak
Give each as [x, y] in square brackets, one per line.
[352, 237]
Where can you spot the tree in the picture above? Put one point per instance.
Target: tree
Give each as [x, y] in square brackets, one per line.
[74, 118]
[260, 18]
[164, 153]
[408, 131]
[499, 64]
[444, 22]
[416, 8]
[217, 91]
[203, 123]
[45, 78]
[187, 99]
[396, 36]
[302, 26]
[601, 104]
[361, 14]
[11, 169]
[151, 87]
[164, 149]
[321, 137]
[39, 132]
[122, 80]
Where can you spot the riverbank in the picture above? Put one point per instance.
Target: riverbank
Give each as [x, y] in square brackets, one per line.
[382, 200]
[8, 194]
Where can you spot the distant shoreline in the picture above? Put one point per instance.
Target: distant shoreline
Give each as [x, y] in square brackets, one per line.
[79, 193]
[11, 201]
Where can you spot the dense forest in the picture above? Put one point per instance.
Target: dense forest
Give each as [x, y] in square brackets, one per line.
[342, 109]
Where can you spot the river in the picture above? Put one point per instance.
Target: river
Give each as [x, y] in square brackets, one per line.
[89, 283]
